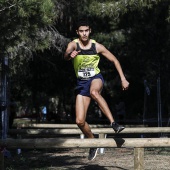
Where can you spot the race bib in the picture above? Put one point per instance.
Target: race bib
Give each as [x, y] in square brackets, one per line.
[86, 73]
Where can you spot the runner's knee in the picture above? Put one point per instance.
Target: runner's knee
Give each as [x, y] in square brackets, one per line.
[94, 94]
[80, 122]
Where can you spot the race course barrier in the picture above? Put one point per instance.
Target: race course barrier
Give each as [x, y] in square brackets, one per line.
[61, 126]
[85, 143]
[94, 130]
[137, 143]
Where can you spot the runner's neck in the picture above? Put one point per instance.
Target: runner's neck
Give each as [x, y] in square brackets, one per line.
[85, 44]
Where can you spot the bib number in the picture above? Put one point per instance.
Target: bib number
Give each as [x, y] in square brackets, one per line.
[86, 73]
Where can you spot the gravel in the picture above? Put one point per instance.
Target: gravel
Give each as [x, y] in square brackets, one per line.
[72, 159]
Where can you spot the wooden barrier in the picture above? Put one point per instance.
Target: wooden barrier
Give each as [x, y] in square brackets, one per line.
[137, 143]
[94, 130]
[85, 143]
[65, 126]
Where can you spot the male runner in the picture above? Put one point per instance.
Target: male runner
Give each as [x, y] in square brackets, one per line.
[84, 53]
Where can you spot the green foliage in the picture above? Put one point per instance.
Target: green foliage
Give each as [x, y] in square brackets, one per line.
[26, 28]
[114, 9]
[136, 31]
[22, 24]
[110, 40]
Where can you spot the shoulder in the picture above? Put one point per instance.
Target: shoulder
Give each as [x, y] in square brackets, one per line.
[100, 48]
[72, 44]
[98, 45]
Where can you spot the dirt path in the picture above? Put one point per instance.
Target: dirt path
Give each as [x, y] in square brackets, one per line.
[72, 159]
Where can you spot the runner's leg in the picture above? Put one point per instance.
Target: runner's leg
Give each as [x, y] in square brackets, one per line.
[95, 92]
[82, 104]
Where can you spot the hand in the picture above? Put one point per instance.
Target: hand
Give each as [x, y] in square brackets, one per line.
[74, 53]
[125, 84]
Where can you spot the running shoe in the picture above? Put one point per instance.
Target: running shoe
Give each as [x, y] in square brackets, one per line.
[116, 127]
[92, 153]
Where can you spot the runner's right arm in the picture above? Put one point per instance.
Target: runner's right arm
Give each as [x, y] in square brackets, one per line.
[71, 51]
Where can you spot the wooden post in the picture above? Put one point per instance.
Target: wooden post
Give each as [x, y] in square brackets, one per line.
[138, 158]
[19, 137]
[1, 160]
[81, 136]
[102, 136]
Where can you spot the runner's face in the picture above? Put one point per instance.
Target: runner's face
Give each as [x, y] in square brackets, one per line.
[84, 32]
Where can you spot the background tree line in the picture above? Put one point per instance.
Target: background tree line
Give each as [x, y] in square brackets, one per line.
[34, 35]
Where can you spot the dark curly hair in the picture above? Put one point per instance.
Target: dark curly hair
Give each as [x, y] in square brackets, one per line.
[82, 22]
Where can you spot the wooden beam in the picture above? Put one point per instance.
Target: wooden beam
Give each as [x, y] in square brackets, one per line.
[85, 143]
[59, 126]
[65, 126]
[94, 130]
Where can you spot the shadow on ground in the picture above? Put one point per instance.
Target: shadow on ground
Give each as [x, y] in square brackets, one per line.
[55, 160]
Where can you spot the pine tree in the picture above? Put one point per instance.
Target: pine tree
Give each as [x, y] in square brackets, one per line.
[28, 26]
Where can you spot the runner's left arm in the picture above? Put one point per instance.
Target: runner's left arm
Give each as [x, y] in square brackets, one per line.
[107, 54]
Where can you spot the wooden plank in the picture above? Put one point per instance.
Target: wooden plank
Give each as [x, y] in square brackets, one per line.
[59, 126]
[85, 143]
[65, 126]
[94, 130]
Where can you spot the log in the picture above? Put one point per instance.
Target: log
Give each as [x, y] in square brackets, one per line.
[65, 126]
[94, 130]
[59, 126]
[85, 143]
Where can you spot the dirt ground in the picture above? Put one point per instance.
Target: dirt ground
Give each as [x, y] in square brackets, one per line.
[72, 159]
